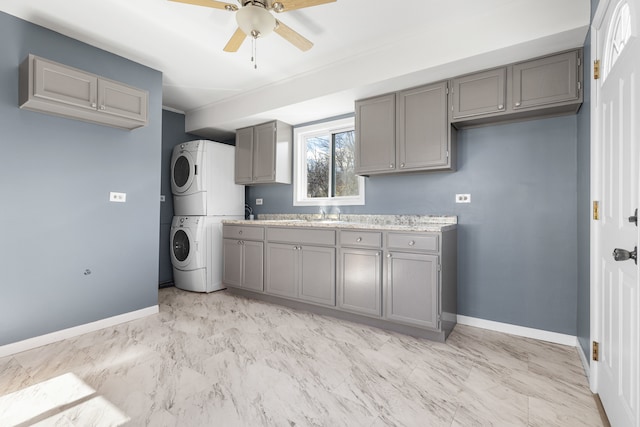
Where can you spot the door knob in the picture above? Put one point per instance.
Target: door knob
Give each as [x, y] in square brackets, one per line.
[623, 255]
[634, 218]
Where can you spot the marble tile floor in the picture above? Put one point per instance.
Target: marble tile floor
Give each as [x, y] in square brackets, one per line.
[222, 360]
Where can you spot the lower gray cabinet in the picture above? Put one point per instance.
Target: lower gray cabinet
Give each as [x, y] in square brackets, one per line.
[243, 264]
[412, 289]
[282, 269]
[318, 275]
[360, 281]
[402, 280]
[302, 272]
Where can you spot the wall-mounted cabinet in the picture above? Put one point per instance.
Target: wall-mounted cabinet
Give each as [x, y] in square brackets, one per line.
[49, 87]
[407, 131]
[547, 86]
[263, 154]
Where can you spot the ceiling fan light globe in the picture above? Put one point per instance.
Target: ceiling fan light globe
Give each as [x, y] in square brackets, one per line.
[255, 19]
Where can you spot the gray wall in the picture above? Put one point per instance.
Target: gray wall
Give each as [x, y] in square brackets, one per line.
[518, 237]
[172, 134]
[55, 181]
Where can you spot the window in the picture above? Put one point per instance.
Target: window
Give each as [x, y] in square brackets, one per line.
[619, 34]
[325, 165]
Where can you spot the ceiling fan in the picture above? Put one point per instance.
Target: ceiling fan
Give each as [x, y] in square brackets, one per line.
[255, 19]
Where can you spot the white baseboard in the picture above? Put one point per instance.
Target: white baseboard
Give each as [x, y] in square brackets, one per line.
[585, 362]
[28, 344]
[521, 331]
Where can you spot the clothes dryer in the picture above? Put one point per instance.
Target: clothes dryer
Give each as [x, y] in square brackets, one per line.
[196, 252]
[203, 179]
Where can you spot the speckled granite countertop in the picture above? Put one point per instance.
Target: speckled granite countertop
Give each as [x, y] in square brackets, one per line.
[344, 221]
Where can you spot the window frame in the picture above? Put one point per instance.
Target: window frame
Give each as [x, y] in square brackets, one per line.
[300, 134]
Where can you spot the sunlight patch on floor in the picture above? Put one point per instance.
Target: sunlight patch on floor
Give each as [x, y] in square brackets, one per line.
[63, 400]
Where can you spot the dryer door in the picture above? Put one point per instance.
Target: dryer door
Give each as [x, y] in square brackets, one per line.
[183, 172]
[182, 250]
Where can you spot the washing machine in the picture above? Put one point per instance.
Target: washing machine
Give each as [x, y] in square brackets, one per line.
[196, 252]
[203, 179]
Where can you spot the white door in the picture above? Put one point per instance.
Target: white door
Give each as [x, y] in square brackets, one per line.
[615, 184]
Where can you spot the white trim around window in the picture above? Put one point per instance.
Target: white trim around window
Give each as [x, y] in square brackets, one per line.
[300, 165]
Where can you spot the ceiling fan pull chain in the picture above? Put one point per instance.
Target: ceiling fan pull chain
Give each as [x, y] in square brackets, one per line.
[254, 54]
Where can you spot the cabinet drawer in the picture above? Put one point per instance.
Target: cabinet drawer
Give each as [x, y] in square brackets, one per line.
[365, 239]
[304, 236]
[414, 242]
[243, 232]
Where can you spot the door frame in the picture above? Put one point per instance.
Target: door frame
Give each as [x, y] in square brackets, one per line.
[595, 193]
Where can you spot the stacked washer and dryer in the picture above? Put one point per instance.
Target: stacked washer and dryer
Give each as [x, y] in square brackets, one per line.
[204, 194]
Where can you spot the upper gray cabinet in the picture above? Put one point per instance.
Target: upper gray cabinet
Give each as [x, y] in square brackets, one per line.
[546, 86]
[479, 94]
[376, 134]
[49, 87]
[406, 131]
[263, 154]
[424, 134]
[546, 81]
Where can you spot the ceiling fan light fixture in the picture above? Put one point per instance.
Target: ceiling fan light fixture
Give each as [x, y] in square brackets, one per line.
[255, 21]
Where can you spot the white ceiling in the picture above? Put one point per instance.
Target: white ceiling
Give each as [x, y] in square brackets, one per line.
[362, 48]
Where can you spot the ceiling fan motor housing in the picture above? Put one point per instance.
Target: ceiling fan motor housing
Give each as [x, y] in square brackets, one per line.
[255, 20]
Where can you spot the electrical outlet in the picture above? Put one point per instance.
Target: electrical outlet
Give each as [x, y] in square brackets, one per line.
[258, 202]
[162, 198]
[463, 198]
[117, 197]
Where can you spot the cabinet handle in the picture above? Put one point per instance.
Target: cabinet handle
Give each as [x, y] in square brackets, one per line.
[240, 232]
[102, 107]
[390, 165]
[359, 239]
[500, 107]
[401, 165]
[411, 243]
[517, 104]
[94, 105]
[239, 242]
[388, 255]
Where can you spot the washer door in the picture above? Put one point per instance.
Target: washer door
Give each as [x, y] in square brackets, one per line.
[183, 172]
[182, 251]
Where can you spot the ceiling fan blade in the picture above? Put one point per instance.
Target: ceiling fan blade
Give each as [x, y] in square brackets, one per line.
[235, 41]
[299, 4]
[292, 37]
[210, 3]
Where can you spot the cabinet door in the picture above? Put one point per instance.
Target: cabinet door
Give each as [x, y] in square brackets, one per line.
[66, 85]
[253, 271]
[264, 152]
[122, 101]
[423, 141]
[232, 262]
[318, 275]
[478, 94]
[282, 269]
[544, 81]
[412, 289]
[244, 156]
[375, 134]
[360, 281]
